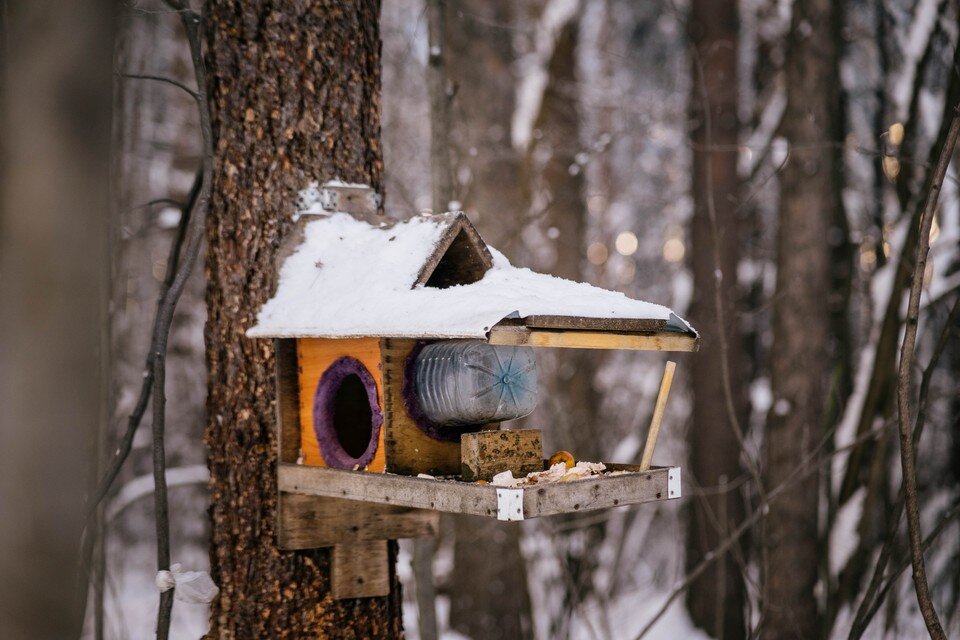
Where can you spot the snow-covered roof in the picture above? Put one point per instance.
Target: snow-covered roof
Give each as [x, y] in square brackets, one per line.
[352, 278]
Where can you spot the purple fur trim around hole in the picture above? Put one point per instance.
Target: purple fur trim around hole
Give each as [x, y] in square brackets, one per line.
[323, 409]
[409, 392]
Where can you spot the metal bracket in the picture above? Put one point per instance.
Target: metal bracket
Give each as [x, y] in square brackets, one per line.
[509, 504]
[673, 483]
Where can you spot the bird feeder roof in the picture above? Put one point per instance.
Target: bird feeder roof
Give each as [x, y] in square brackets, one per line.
[430, 277]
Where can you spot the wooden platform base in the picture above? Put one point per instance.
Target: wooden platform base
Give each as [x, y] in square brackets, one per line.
[453, 496]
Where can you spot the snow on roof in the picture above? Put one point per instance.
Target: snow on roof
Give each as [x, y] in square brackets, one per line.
[349, 278]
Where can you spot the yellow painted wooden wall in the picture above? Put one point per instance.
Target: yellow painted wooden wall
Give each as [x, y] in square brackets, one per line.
[314, 355]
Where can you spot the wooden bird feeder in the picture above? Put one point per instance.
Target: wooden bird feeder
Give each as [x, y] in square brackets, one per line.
[359, 464]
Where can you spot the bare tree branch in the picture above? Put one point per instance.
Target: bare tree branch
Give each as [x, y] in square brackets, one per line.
[907, 455]
[139, 76]
[892, 580]
[195, 234]
[133, 423]
[871, 600]
[808, 465]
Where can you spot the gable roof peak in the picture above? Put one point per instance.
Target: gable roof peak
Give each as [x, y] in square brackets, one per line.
[460, 256]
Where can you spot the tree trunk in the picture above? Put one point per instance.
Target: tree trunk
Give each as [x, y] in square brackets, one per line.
[557, 185]
[801, 322]
[295, 95]
[55, 99]
[488, 586]
[716, 599]
[441, 169]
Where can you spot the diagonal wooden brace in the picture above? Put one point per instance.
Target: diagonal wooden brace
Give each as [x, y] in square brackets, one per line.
[654, 431]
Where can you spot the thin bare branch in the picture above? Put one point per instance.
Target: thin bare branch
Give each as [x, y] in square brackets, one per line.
[139, 76]
[136, 416]
[927, 543]
[904, 375]
[195, 234]
[808, 465]
[873, 597]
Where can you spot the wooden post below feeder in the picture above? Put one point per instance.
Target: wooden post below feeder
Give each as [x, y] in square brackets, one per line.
[360, 570]
[484, 454]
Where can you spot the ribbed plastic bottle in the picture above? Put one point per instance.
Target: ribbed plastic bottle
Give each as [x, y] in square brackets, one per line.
[468, 382]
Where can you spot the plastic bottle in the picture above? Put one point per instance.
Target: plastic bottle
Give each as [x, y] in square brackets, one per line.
[472, 382]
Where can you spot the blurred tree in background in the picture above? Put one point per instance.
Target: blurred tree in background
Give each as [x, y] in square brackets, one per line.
[760, 166]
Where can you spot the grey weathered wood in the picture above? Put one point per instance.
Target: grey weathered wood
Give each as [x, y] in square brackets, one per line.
[312, 522]
[288, 399]
[349, 198]
[630, 325]
[360, 570]
[481, 499]
[484, 454]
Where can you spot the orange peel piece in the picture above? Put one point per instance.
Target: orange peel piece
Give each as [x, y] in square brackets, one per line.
[562, 456]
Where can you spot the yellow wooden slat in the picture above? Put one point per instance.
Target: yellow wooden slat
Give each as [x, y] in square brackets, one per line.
[654, 431]
[663, 341]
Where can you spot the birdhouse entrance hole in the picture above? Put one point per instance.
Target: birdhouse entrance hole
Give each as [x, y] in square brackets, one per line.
[352, 418]
[347, 416]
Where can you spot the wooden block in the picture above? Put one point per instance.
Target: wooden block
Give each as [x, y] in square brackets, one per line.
[662, 341]
[484, 454]
[409, 451]
[314, 356]
[312, 522]
[360, 570]
[288, 400]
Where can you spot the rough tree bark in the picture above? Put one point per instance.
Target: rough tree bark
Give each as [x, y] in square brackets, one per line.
[295, 95]
[801, 321]
[488, 587]
[716, 599]
[55, 97]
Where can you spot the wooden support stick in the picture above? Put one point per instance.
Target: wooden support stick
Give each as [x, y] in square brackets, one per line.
[658, 410]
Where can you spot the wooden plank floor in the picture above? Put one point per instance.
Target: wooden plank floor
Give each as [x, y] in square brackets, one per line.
[452, 496]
